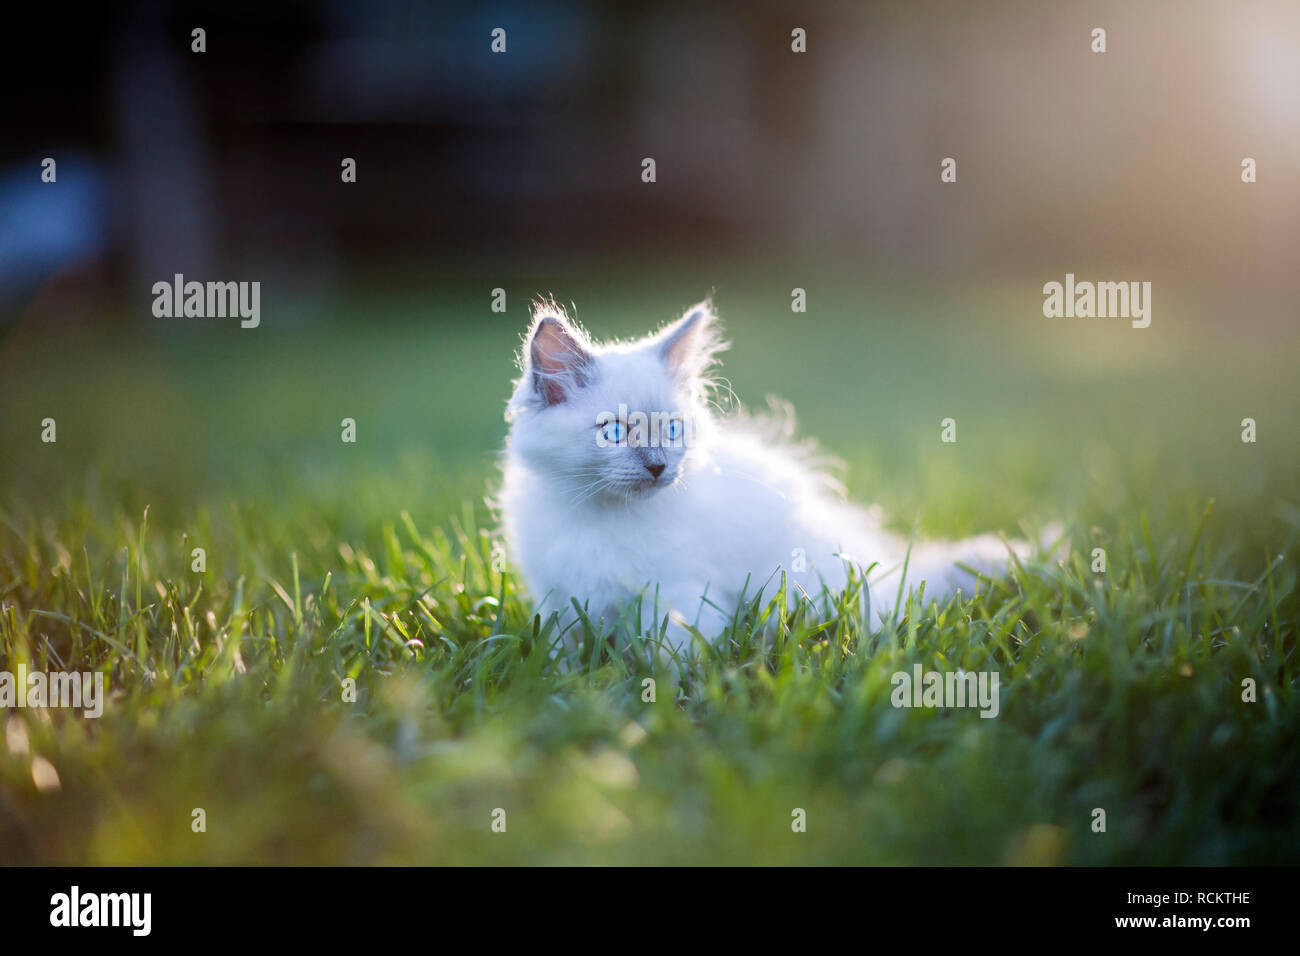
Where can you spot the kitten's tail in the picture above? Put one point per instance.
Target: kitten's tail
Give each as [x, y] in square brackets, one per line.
[947, 566]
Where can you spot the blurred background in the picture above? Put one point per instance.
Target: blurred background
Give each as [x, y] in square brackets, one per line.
[227, 163]
[522, 171]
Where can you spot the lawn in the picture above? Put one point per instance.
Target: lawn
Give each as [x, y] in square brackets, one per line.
[375, 562]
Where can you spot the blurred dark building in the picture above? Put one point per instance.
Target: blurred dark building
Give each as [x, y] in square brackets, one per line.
[228, 161]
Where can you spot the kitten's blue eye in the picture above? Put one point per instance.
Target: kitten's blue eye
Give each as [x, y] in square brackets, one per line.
[614, 432]
[673, 430]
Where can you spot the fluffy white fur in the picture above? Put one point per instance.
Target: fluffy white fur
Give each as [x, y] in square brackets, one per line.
[738, 503]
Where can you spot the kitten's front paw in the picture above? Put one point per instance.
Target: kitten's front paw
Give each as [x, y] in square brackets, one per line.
[1054, 543]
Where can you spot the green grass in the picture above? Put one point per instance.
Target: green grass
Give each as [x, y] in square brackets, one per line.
[374, 562]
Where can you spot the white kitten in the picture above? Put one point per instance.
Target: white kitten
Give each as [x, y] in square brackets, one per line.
[619, 482]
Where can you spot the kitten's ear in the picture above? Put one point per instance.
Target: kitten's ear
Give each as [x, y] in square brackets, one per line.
[558, 358]
[690, 344]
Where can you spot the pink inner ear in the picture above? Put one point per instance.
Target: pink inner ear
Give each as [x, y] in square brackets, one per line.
[679, 345]
[556, 358]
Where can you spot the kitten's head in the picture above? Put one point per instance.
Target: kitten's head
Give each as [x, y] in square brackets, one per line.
[617, 421]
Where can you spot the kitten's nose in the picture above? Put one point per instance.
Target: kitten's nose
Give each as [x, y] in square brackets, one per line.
[655, 470]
